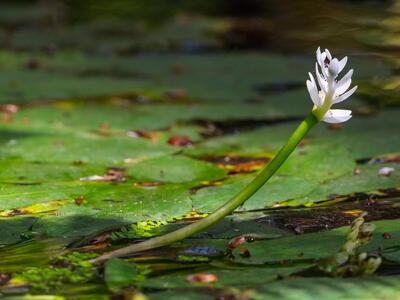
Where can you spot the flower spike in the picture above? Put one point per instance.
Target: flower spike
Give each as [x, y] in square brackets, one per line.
[327, 90]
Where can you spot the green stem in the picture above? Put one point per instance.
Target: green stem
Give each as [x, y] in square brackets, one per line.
[228, 207]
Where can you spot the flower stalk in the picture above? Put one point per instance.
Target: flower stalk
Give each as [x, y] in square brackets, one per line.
[263, 176]
[327, 92]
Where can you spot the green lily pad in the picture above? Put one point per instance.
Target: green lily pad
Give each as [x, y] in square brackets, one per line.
[175, 169]
[315, 245]
[331, 288]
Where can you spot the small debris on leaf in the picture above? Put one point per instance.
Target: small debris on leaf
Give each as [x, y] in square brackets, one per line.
[79, 200]
[4, 277]
[104, 126]
[385, 171]
[176, 94]
[112, 174]
[58, 143]
[143, 184]
[371, 200]
[92, 178]
[7, 111]
[356, 171]
[25, 120]
[33, 64]
[386, 235]
[180, 141]
[104, 129]
[150, 135]
[77, 162]
[303, 142]
[115, 174]
[244, 252]
[9, 108]
[202, 277]
[237, 241]
[129, 161]
[177, 69]
[237, 164]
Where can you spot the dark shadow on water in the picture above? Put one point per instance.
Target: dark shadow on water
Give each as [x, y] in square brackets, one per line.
[8, 135]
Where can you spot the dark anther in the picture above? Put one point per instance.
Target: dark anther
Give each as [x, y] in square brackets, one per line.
[327, 62]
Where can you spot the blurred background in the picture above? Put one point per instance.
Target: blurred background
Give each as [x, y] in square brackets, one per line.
[131, 28]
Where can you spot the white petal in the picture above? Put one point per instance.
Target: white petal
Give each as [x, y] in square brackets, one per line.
[328, 54]
[337, 116]
[312, 79]
[342, 64]
[339, 90]
[334, 67]
[322, 60]
[312, 90]
[343, 84]
[319, 56]
[344, 96]
[321, 80]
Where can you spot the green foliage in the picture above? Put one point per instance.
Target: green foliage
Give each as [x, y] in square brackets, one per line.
[143, 229]
[72, 268]
[119, 273]
[331, 289]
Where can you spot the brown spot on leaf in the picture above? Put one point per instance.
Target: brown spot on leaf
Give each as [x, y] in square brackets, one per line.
[146, 134]
[386, 235]
[303, 142]
[237, 241]
[144, 184]
[58, 143]
[176, 94]
[205, 184]
[114, 174]
[180, 141]
[79, 200]
[25, 120]
[34, 64]
[202, 277]
[5, 277]
[9, 108]
[7, 111]
[244, 252]
[177, 69]
[237, 164]
[5, 117]
[77, 162]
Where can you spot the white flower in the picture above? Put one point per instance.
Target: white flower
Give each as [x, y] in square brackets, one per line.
[328, 90]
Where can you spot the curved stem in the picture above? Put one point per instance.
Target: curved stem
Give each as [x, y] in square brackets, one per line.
[261, 178]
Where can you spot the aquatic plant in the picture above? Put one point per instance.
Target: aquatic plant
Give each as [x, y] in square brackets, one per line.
[328, 92]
